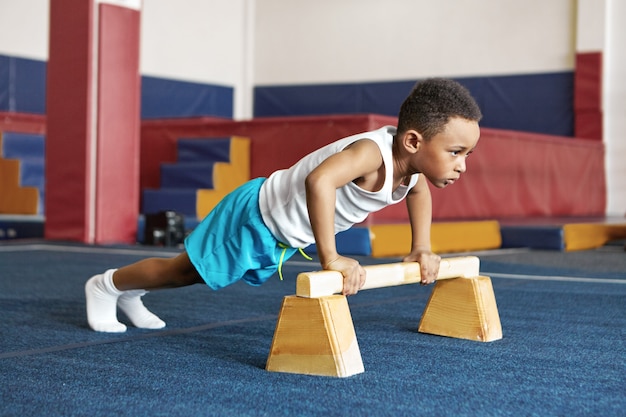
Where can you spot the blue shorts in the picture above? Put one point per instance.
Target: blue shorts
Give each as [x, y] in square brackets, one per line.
[233, 243]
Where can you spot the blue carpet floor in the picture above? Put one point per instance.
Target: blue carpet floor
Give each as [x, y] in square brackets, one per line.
[563, 352]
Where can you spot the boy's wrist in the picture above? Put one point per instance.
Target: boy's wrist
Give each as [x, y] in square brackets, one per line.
[327, 259]
[327, 265]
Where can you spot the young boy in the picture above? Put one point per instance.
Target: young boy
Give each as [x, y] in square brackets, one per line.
[264, 222]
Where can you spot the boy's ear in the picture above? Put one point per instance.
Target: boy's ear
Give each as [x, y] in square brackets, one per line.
[412, 141]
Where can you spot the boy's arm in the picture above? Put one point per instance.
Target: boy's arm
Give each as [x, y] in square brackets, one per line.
[420, 208]
[361, 158]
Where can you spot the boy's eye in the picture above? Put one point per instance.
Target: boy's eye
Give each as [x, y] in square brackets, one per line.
[457, 153]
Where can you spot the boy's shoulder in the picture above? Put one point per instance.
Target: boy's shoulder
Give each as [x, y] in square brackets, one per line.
[381, 135]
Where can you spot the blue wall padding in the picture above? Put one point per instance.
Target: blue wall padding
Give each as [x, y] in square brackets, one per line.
[355, 241]
[22, 85]
[203, 150]
[534, 237]
[168, 98]
[32, 173]
[23, 90]
[541, 103]
[190, 175]
[194, 163]
[180, 200]
[304, 100]
[23, 145]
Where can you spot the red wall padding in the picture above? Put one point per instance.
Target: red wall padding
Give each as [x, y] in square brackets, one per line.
[117, 176]
[511, 174]
[92, 204]
[588, 96]
[588, 81]
[68, 107]
[516, 175]
[276, 142]
[22, 123]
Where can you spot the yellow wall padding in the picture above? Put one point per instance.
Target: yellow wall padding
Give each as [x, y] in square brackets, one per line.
[581, 236]
[226, 176]
[389, 240]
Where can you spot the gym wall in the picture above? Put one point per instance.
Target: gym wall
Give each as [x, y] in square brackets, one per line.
[327, 57]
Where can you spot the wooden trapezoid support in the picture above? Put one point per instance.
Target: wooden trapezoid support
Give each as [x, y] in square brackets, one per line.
[462, 308]
[315, 336]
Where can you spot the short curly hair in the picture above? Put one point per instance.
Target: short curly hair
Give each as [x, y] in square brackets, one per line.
[432, 103]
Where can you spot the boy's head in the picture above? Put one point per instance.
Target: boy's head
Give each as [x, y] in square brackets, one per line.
[432, 103]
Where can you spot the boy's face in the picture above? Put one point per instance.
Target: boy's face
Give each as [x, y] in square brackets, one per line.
[442, 158]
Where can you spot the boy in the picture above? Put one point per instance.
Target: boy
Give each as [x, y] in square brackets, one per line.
[255, 228]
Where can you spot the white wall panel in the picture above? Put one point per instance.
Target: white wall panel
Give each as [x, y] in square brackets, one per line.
[193, 40]
[302, 41]
[24, 28]
[590, 26]
[614, 92]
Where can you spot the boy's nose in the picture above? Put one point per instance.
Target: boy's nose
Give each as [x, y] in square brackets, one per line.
[461, 166]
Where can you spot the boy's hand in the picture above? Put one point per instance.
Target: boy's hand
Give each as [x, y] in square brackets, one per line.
[429, 264]
[353, 273]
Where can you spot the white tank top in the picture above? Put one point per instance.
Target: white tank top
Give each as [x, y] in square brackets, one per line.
[282, 199]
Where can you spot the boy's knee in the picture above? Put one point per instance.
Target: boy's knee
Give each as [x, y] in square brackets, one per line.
[182, 272]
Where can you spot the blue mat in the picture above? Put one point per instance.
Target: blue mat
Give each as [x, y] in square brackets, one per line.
[536, 237]
[562, 353]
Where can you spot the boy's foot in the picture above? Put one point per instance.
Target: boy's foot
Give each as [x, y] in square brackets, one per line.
[101, 297]
[130, 303]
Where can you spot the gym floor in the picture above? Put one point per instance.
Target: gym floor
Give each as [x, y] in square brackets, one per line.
[563, 350]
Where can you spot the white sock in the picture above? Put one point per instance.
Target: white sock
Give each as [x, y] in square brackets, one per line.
[101, 297]
[130, 303]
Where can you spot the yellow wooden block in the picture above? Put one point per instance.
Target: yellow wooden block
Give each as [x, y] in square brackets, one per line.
[582, 236]
[465, 236]
[13, 198]
[226, 176]
[315, 336]
[463, 308]
[390, 240]
[9, 173]
[446, 237]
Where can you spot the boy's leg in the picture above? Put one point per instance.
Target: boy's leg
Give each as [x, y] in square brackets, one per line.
[151, 274]
[157, 273]
[125, 287]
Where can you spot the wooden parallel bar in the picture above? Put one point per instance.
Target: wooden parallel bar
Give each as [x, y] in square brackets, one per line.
[322, 283]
